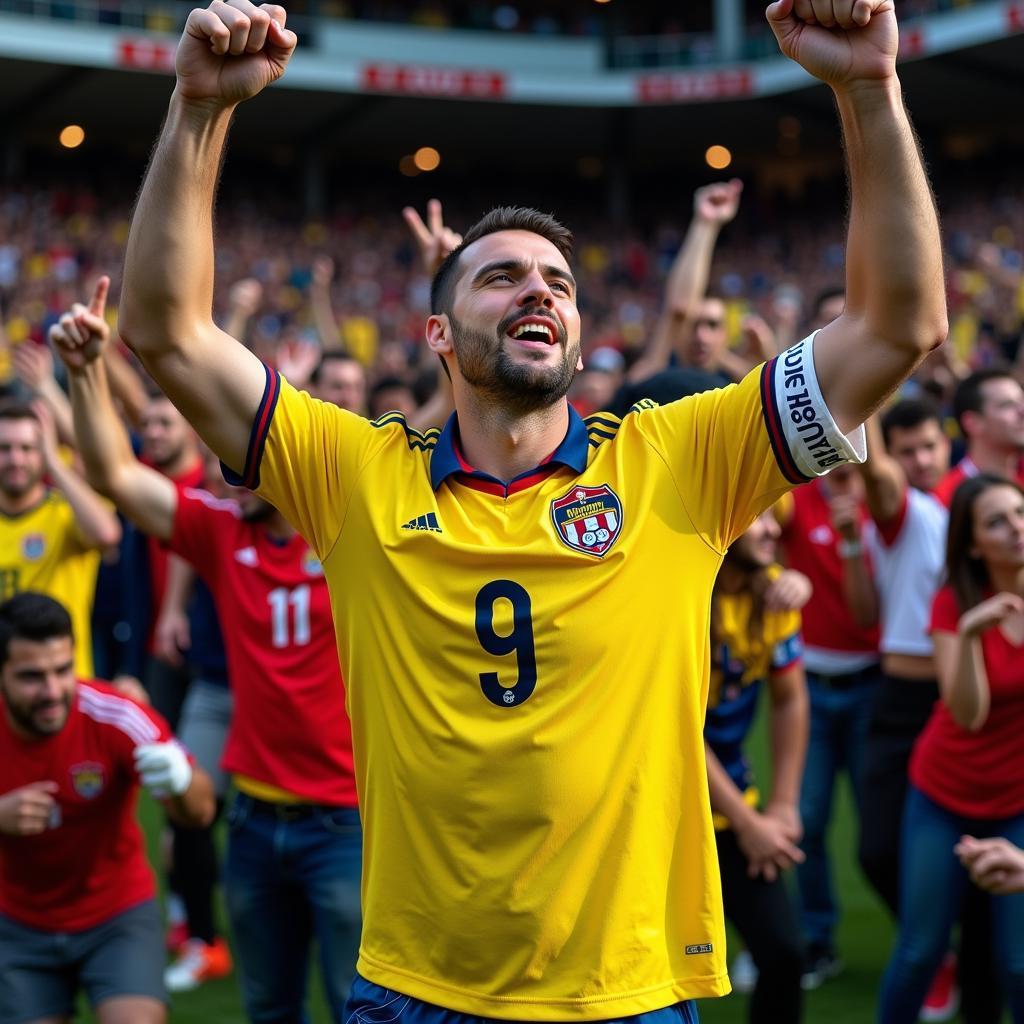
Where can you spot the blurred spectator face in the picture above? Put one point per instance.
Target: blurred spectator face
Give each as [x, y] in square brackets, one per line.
[756, 549]
[392, 397]
[21, 457]
[342, 382]
[998, 528]
[165, 433]
[923, 452]
[829, 309]
[593, 390]
[1000, 424]
[707, 339]
[844, 481]
[514, 323]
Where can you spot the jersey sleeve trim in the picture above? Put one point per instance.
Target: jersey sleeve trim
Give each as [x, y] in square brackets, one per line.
[250, 476]
[805, 438]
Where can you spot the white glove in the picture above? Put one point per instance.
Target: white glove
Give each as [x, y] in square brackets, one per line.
[163, 768]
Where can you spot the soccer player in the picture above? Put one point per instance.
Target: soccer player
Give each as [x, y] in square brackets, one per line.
[753, 645]
[293, 860]
[51, 533]
[77, 899]
[527, 695]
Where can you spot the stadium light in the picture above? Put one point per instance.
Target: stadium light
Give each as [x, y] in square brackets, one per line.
[72, 136]
[427, 159]
[718, 157]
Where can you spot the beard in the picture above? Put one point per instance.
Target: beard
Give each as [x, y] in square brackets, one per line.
[13, 491]
[24, 717]
[520, 387]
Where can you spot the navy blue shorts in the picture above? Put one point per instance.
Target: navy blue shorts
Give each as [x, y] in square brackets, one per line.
[370, 1004]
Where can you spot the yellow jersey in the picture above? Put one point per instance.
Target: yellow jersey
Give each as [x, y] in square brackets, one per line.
[42, 550]
[527, 673]
[746, 654]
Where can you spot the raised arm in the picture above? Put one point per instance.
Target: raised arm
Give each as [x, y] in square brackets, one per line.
[228, 53]
[960, 660]
[145, 496]
[885, 483]
[895, 295]
[714, 206]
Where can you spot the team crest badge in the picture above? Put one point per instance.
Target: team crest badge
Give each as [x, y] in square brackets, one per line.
[33, 546]
[311, 565]
[588, 519]
[87, 779]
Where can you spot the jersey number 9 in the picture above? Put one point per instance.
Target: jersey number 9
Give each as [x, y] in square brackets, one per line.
[520, 641]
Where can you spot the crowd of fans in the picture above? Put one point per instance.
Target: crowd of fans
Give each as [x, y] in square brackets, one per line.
[338, 307]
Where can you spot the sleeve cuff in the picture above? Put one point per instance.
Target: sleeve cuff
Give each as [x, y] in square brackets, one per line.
[250, 476]
[805, 438]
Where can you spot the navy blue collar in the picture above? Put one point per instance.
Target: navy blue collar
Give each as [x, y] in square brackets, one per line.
[572, 452]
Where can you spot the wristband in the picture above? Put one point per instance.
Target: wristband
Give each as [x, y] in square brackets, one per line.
[849, 548]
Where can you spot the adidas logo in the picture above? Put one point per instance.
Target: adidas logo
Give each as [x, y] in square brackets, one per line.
[427, 522]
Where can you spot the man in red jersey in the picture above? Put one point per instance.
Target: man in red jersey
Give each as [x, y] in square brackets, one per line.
[989, 409]
[77, 897]
[843, 672]
[294, 851]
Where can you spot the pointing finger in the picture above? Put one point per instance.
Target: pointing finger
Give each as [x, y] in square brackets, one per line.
[98, 302]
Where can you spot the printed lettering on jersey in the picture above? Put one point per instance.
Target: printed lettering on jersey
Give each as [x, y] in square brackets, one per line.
[33, 546]
[87, 779]
[311, 565]
[588, 519]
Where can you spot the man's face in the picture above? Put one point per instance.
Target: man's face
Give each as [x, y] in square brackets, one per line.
[1001, 420]
[21, 457]
[844, 481]
[757, 548]
[514, 325]
[165, 433]
[707, 337]
[394, 399]
[342, 382]
[923, 452]
[37, 684]
[829, 310]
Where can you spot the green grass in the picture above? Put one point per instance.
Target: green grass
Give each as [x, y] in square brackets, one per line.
[864, 940]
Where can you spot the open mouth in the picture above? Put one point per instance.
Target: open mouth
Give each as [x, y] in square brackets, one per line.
[534, 332]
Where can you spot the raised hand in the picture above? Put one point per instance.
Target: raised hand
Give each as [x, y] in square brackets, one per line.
[322, 271]
[245, 296]
[434, 239]
[718, 203]
[838, 41]
[844, 510]
[33, 365]
[788, 592]
[80, 334]
[990, 613]
[231, 51]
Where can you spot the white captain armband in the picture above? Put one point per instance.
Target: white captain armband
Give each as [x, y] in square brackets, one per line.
[804, 437]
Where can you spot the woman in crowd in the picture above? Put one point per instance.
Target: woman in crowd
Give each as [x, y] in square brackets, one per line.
[967, 770]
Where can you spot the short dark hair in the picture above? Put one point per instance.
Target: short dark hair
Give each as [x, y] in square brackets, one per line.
[968, 396]
[32, 616]
[331, 356]
[906, 415]
[501, 218]
[15, 409]
[833, 291]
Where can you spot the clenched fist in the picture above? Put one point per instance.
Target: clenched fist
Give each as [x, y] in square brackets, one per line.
[28, 810]
[231, 51]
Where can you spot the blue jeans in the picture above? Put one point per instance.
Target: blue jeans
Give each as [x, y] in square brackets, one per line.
[371, 1004]
[292, 876]
[932, 887]
[839, 726]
